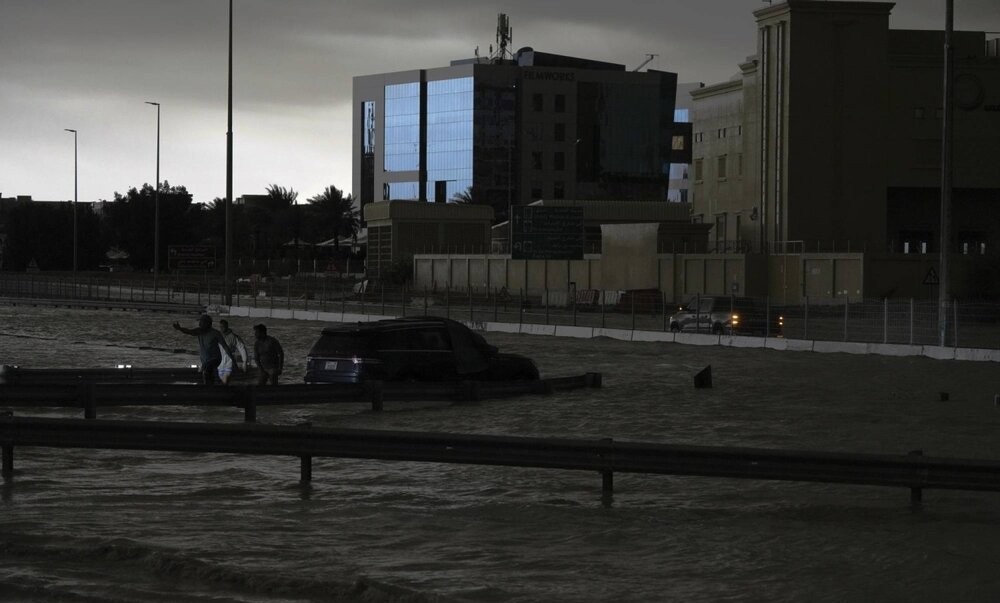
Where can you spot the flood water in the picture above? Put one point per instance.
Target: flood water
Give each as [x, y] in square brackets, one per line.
[120, 526]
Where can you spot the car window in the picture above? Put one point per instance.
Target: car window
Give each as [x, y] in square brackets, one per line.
[413, 339]
[339, 344]
[434, 339]
[705, 305]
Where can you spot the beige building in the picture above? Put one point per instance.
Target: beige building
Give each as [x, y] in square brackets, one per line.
[829, 138]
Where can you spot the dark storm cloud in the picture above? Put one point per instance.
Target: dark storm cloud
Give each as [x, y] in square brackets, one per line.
[90, 64]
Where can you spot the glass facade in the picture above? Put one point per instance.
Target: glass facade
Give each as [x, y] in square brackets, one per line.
[449, 136]
[401, 191]
[402, 127]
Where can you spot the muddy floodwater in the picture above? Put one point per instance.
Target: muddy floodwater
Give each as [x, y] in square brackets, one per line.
[112, 525]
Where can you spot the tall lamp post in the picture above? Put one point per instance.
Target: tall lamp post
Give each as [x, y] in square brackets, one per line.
[227, 273]
[946, 174]
[156, 200]
[75, 190]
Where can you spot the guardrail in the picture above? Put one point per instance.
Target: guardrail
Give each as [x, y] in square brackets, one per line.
[604, 456]
[109, 303]
[16, 375]
[89, 396]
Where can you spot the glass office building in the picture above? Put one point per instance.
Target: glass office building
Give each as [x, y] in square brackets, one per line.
[506, 133]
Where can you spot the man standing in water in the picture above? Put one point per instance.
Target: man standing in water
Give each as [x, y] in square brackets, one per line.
[235, 343]
[211, 344]
[270, 357]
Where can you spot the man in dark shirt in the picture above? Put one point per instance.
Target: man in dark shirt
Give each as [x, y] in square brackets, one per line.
[211, 344]
[270, 357]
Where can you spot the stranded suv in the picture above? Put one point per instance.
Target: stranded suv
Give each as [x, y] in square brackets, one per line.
[410, 349]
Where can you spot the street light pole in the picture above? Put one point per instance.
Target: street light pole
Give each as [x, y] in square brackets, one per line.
[75, 191]
[946, 174]
[227, 273]
[156, 200]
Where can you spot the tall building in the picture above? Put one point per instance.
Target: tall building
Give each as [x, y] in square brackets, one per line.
[830, 136]
[512, 130]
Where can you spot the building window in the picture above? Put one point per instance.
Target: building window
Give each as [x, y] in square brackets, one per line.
[536, 160]
[559, 132]
[739, 130]
[449, 137]
[560, 103]
[918, 113]
[699, 169]
[699, 136]
[402, 127]
[537, 102]
[536, 190]
[558, 189]
[739, 165]
[721, 132]
[559, 161]
[677, 143]
[368, 127]
[721, 167]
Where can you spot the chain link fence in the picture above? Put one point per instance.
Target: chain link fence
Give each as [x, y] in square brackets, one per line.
[968, 324]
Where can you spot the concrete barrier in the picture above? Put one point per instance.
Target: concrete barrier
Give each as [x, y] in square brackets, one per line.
[938, 352]
[620, 334]
[776, 343]
[653, 336]
[740, 341]
[892, 349]
[845, 347]
[577, 332]
[697, 338]
[503, 327]
[979, 355]
[531, 329]
[799, 345]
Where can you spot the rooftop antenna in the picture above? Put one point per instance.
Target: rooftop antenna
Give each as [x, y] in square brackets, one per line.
[649, 57]
[504, 37]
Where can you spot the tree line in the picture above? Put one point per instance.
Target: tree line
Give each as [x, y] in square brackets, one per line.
[121, 232]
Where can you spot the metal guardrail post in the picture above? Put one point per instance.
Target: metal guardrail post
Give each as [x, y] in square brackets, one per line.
[249, 401]
[305, 463]
[607, 475]
[916, 494]
[86, 399]
[375, 394]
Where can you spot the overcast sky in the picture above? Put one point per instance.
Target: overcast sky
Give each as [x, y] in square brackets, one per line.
[90, 65]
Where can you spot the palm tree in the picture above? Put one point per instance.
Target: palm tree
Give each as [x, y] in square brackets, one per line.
[335, 213]
[286, 197]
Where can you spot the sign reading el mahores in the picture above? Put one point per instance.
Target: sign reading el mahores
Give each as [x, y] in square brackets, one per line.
[547, 233]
